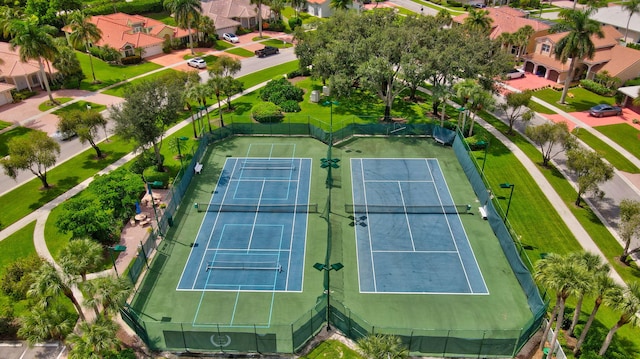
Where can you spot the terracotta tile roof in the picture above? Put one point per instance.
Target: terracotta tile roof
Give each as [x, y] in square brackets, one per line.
[621, 58]
[611, 37]
[224, 11]
[507, 20]
[549, 62]
[118, 30]
[12, 66]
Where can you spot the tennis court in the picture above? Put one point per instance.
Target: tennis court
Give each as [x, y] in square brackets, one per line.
[409, 235]
[252, 237]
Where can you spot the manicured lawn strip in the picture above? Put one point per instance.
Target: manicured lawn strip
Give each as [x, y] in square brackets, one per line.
[331, 349]
[240, 52]
[222, 45]
[4, 124]
[110, 74]
[80, 105]
[28, 197]
[261, 76]
[120, 90]
[276, 43]
[163, 16]
[583, 100]
[614, 157]
[597, 231]
[16, 246]
[47, 105]
[11, 134]
[540, 108]
[624, 135]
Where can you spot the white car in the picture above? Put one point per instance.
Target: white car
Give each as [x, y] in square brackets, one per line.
[515, 74]
[197, 63]
[232, 38]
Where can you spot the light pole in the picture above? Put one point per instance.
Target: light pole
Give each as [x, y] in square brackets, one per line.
[512, 186]
[484, 159]
[328, 268]
[330, 162]
[178, 139]
[119, 248]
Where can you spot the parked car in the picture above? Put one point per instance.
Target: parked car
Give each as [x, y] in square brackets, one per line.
[603, 110]
[268, 50]
[515, 74]
[232, 38]
[480, 6]
[63, 136]
[197, 63]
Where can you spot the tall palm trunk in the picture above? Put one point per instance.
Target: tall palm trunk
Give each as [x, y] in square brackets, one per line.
[576, 315]
[627, 30]
[93, 73]
[568, 80]
[45, 81]
[587, 325]
[260, 18]
[560, 317]
[545, 333]
[220, 110]
[190, 40]
[69, 294]
[609, 337]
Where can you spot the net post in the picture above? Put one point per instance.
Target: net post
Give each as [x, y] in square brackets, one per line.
[255, 337]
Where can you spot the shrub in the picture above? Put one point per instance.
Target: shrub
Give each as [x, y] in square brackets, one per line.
[22, 94]
[633, 46]
[635, 121]
[130, 60]
[15, 281]
[276, 25]
[151, 175]
[266, 112]
[295, 22]
[619, 97]
[134, 7]
[280, 90]
[299, 72]
[596, 87]
[633, 82]
[290, 106]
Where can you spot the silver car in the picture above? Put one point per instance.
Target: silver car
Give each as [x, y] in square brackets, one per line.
[232, 38]
[197, 63]
[604, 110]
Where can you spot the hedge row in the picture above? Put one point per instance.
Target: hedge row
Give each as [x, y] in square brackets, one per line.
[135, 7]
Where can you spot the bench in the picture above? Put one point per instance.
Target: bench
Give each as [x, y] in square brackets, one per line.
[198, 168]
[145, 222]
[483, 212]
[438, 140]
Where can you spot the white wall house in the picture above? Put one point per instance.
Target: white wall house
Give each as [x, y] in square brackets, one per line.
[617, 17]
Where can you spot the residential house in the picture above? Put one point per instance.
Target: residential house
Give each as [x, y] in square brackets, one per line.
[617, 60]
[322, 8]
[617, 17]
[127, 33]
[18, 75]
[229, 15]
[509, 20]
[631, 93]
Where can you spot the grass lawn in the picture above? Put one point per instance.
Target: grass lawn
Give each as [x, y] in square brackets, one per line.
[331, 349]
[624, 135]
[222, 45]
[261, 76]
[4, 124]
[110, 74]
[121, 89]
[80, 105]
[276, 43]
[582, 99]
[47, 105]
[28, 197]
[614, 157]
[164, 16]
[9, 135]
[540, 109]
[258, 38]
[16, 246]
[240, 52]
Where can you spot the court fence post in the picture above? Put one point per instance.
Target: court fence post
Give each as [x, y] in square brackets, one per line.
[184, 340]
[144, 254]
[255, 338]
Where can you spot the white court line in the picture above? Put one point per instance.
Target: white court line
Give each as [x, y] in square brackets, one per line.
[293, 226]
[364, 194]
[403, 181]
[400, 251]
[255, 219]
[406, 216]
[244, 249]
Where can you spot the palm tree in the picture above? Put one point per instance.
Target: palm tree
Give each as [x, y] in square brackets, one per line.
[628, 302]
[36, 43]
[382, 346]
[632, 6]
[478, 21]
[522, 37]
[48, 283]
[186, 13]
[276, 8]
[258, 3]
[217, 84]
[96, 340]
[297, 5]
[340, 4]
[594, 266]
[205, 28]
[200, 93]
[40, 325]
[84, 32]
[81, 256]
[577, 44]
[629, 226]
[443, 17]
[110, 293]
[603, 287]
[565, 277]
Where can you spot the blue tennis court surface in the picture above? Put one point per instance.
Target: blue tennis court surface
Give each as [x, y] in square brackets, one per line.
[406, 251]
[252, 237]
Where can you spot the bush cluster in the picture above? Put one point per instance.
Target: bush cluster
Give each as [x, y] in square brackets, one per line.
[281, 90]
[22, 94]
[290, 106]
[275, 25]
[266, 112]
[299, 72]
[596, 88]
[130, 60]
[634, 46]
[295, 22]
[135, 7]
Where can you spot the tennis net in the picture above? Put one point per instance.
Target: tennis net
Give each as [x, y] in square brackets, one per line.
[242, 265]
[275, 208]
[434, 209]
[267, 165]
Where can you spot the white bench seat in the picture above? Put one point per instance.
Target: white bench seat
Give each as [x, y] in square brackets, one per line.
[198, 168]
[483, 212]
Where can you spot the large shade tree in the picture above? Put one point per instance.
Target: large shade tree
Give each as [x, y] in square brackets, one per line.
[590, 171]
[35, 153]
[186, 13]
[86, 124]
[84, 33]
[150, 106]
[34, 41]
[578, 42]
[629, 227]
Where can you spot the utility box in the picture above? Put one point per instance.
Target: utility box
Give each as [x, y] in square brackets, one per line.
[315, 96]
[326, 91]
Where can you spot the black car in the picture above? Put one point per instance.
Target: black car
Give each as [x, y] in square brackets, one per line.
[268, 50]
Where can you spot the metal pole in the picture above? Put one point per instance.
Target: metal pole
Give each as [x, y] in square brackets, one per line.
[113, 261]
[179, 153]
[328, 297]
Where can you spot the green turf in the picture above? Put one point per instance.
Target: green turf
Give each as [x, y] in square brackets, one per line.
[15, 246]
[578, 99]
[109, 74]
[240, 52]
[5, 137]
[504, 309]
[121, 89]
[222, 45]
[47, 105]
[623, 134]
[80, 105]
[268, 74]
[4, 124]
[614, 157]
[276, 43]
[332, 349]
[164, 16]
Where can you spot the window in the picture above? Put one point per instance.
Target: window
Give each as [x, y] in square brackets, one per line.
[546, 48]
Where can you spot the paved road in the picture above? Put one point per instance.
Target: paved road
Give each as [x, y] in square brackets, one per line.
[415, 7]
[20, 350]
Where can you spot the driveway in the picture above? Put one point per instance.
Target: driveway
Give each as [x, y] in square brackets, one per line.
[20, 350]
[530, 82]
[627, 117]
